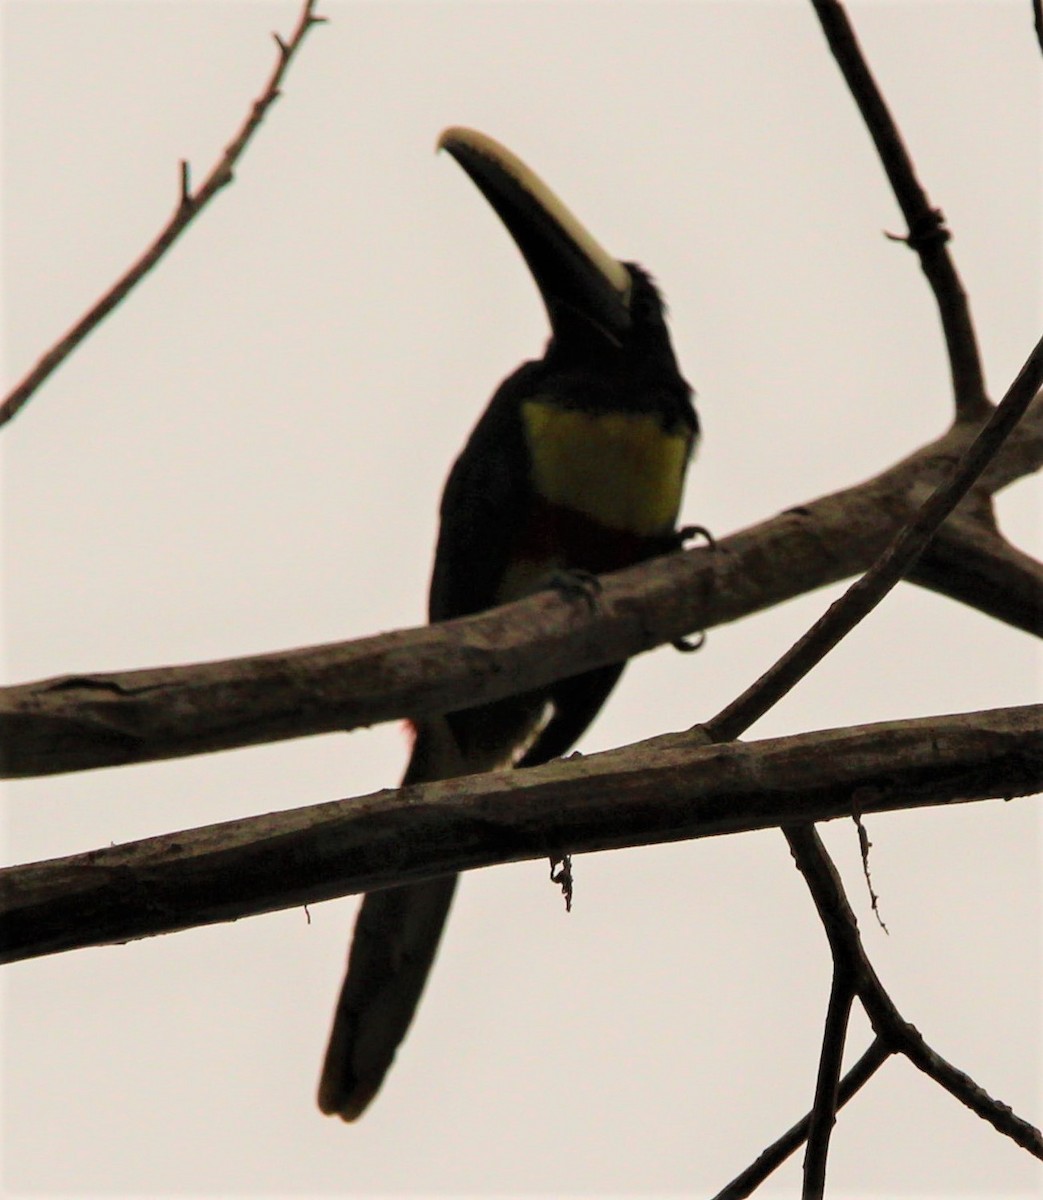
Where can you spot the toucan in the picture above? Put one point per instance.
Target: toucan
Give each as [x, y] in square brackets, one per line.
[575, 468]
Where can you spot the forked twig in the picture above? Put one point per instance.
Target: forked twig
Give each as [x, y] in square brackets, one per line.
[841, 928]
[811, 857]
[769, 1160]
[190, 203]
[853, 973]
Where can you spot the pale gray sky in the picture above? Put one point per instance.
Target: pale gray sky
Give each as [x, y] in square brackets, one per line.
[248, 456]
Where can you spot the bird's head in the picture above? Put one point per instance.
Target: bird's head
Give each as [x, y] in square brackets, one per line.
[596, 304]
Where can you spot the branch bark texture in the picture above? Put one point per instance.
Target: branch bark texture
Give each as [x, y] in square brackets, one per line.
[108, 719]
[670, 788]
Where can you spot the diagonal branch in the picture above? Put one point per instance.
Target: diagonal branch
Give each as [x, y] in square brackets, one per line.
[850, 960]
[863, 595]
[927, 232]
[853, 972]
[190, 204]
[852, 969]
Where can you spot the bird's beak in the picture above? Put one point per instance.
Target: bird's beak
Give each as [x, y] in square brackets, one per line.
[576, 276]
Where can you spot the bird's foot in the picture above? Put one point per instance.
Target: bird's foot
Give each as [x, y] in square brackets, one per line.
[688, 533]
[576, 584]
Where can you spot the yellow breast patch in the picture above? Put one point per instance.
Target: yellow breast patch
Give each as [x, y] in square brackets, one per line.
[622, 469]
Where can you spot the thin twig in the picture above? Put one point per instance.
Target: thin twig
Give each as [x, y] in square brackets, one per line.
[866, 593]
[188, 207]
[927, 232]
[909, 1041]
[841, 928]
[770, 1159]
[827, 1084]
[864, 846]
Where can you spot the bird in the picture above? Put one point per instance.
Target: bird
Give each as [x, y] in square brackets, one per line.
[576, 467]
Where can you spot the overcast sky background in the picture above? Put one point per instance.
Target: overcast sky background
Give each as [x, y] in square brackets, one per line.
[247, 456]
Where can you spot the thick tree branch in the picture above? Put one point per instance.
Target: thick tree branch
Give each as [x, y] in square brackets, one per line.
[970, 561]
[670, 788]
[927, 232]
[190, 204]
[76, 722]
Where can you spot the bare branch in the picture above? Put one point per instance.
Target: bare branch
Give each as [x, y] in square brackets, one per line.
[775, 1155]
[970, 561]
[670, 788]
[867, 592]
[841, 927]
[77, 722]
[927, 232]
[850, 959]
[908, 1040]
[827, 1086]
[188, 207]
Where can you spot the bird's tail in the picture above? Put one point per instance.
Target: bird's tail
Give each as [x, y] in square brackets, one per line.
[398, 929]
[396, 936]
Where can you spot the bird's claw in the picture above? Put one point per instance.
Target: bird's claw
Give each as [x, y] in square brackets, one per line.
[690, 645]
[576, 584]
[688, 533]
